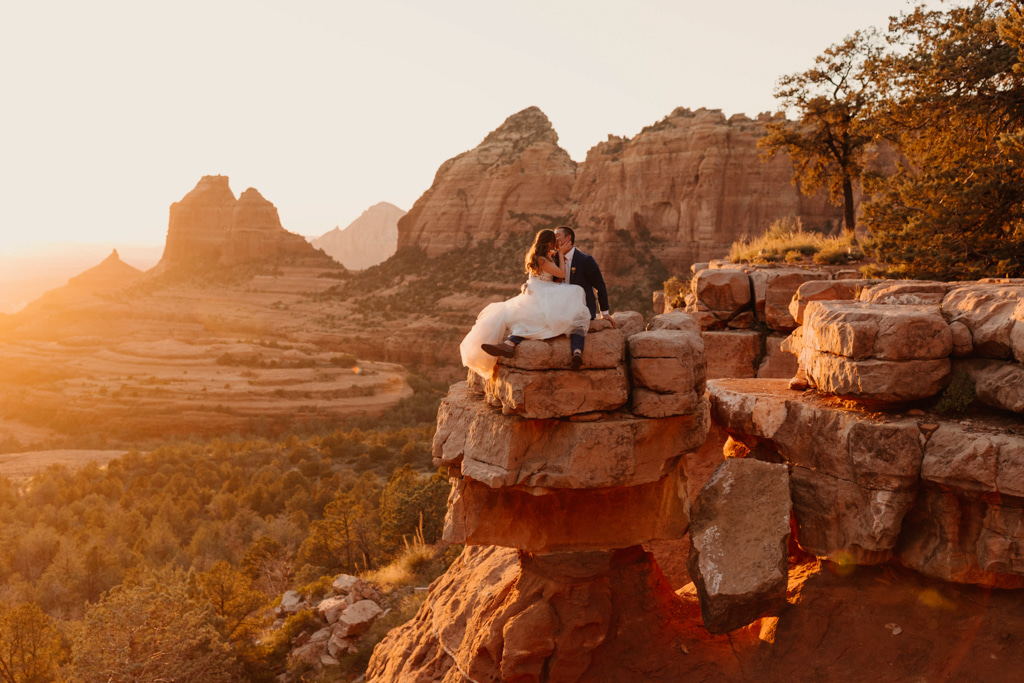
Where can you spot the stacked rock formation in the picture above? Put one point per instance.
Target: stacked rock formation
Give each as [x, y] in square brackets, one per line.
[874, 477]
[744, 312]
[209, 227]
[562, 466]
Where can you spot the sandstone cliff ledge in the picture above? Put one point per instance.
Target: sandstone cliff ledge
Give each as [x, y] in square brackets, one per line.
[836, 520]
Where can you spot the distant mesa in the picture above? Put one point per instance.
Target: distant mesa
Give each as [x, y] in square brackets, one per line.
[367, 241]
[209, 227]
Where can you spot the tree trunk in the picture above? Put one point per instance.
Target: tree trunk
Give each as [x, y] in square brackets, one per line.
[849, 219]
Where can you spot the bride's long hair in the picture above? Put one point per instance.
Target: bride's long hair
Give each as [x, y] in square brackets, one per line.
[542, 244]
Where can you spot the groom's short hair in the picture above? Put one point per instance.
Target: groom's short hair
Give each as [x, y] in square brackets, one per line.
[569, 231]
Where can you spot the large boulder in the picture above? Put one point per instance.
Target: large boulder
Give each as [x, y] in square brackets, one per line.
[825, 290]
[876, 352]
[739, 537]
[722, 291]
[732, 353]
[988, 311]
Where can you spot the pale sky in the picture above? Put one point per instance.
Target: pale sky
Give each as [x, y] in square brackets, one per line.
[112, 110]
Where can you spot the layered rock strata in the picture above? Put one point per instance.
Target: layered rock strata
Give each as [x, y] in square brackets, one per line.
[694, 182]
[943, 497]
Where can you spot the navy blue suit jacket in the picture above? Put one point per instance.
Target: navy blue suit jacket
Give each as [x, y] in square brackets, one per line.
[587, 275]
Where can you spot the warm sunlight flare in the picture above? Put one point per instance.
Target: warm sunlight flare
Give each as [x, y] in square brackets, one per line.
[578, 341]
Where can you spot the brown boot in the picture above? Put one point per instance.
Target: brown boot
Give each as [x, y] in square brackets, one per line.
[503, 350]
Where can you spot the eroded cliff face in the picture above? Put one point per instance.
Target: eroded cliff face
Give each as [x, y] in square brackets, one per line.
[515, 180]
[208, 226]
[693, 181]
[687, 186]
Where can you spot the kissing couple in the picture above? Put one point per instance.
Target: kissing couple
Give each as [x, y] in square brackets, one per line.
[558, 298]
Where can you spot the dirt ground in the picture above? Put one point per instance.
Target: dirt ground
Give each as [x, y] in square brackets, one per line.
[244, 357]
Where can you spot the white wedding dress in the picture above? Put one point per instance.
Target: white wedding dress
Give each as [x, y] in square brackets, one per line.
[547, 309]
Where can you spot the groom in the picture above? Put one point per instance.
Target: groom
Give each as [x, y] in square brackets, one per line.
[581, 269]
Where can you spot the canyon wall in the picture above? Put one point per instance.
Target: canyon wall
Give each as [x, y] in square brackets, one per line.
[687, 186]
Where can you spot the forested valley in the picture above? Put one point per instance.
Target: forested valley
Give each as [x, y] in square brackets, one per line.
[202, 538]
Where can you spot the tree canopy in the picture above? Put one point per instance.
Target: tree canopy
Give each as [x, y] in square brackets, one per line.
[951, 100]
[944, 90]
[829, 143]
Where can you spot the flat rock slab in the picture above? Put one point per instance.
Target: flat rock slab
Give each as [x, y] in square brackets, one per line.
[507, 450]
[542, 394]
[825, 290]
[603, 349]
[860, 331]
[872, 451]
[873, 379]
[563, 520]
[739, 536]
[906, 292]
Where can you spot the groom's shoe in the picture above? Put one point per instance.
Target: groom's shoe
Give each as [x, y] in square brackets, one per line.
[577, 360]
[504, 349]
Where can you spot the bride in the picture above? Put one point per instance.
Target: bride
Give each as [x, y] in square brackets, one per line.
[545, 309]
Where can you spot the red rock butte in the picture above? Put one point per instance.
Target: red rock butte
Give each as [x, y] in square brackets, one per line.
[209, 227]
[693, 182]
